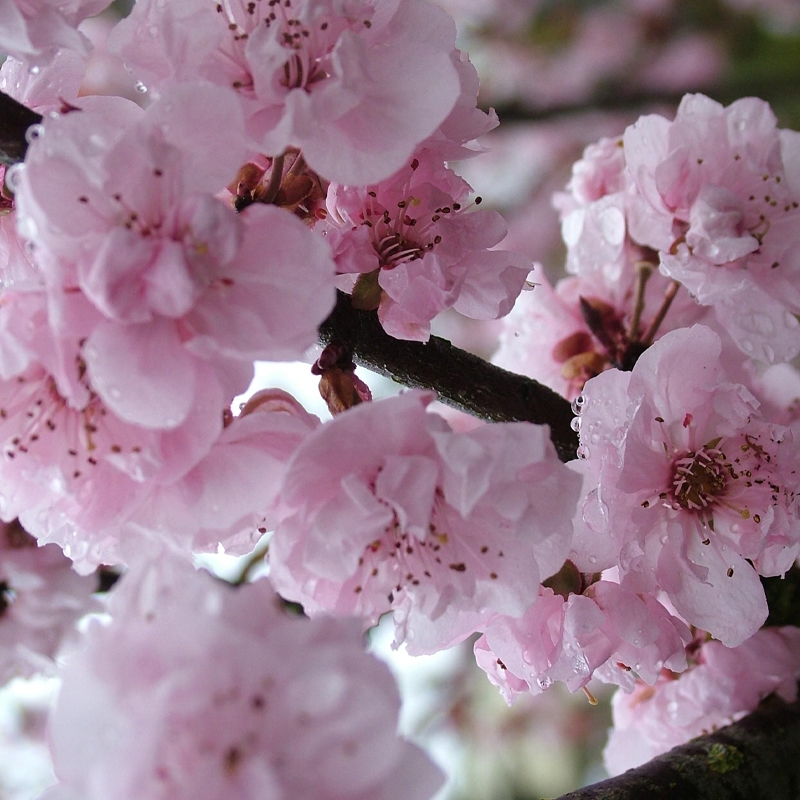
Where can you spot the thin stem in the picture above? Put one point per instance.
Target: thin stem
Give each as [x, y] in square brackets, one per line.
[644, 270]
[669, 296]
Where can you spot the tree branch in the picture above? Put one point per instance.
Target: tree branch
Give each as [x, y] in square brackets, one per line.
[15, 119]
[461, 379]
[757, 757]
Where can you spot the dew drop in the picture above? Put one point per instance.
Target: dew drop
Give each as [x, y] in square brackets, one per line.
[34, 70]
[13, 176]
[544, 683]
[140, 87]
[33, 133]
[575, 424]
[592, 560]
[578, 403]
[583, 452]
[594, 438]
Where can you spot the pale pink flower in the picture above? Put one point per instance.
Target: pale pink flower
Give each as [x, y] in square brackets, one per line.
[698, 491]
[606, 632]
[387, 509]
[420, 248]
[356, 86]
[229, 497]
[723, 685]
[120, 204]
[41, 599]
[200, 690]
[720, 190]
[34, 30]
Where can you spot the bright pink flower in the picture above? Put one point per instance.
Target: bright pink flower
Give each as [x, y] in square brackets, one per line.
[200, 690]
[41, 599]
[721, 190]
[698, 491]
[355, 86]
[722, 686]
[420, 248]
[34, 30]
[606, 632]
[387, 509]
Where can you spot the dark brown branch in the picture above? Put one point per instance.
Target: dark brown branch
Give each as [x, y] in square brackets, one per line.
[15, 119]
[461, 379]
[757, 758]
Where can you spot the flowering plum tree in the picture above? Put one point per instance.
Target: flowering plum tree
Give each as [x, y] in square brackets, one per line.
[291, 182]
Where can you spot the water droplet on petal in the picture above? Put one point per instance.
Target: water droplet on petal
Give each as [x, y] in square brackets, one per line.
[578, 403]
[34, 70]
[544, 683]
[140, 87]
[747, 345]
[592, 560]
[13, 176]
[575, 424]
[33, 133]
[583, 452]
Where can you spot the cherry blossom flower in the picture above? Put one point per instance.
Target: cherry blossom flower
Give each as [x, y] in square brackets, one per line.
[387, 509]
[722, 685]
[200, 690]
[419, 248]
[697, 490]
[41, 599]
[721, 196]
[348, 84]
[229, 496]
[34, 30]
[606, 632]
[171, 279]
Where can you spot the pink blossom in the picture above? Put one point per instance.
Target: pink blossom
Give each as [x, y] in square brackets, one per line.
[200, 690]
[721, 196]
[352, 85]
[33, 30]
[698, 491]
[229, 496]
[41, 599]
[387, 509]
[420, 248]
[722, 686]
[121, 204]
[606, 632]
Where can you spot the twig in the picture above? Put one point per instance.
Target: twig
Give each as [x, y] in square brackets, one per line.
[461, 379]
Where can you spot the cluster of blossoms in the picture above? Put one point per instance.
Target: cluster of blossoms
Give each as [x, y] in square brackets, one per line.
[150, 256]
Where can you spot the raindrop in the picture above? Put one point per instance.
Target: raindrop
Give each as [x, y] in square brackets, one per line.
[583, 452]
[13, 176]
[33, 133]
[34, 70]
[140, 87]
[578, 403]
[575, 424]
[592, 560]
[594, 438]
[544, 683]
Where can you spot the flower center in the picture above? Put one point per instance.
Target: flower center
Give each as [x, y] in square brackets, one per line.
[698, 478]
